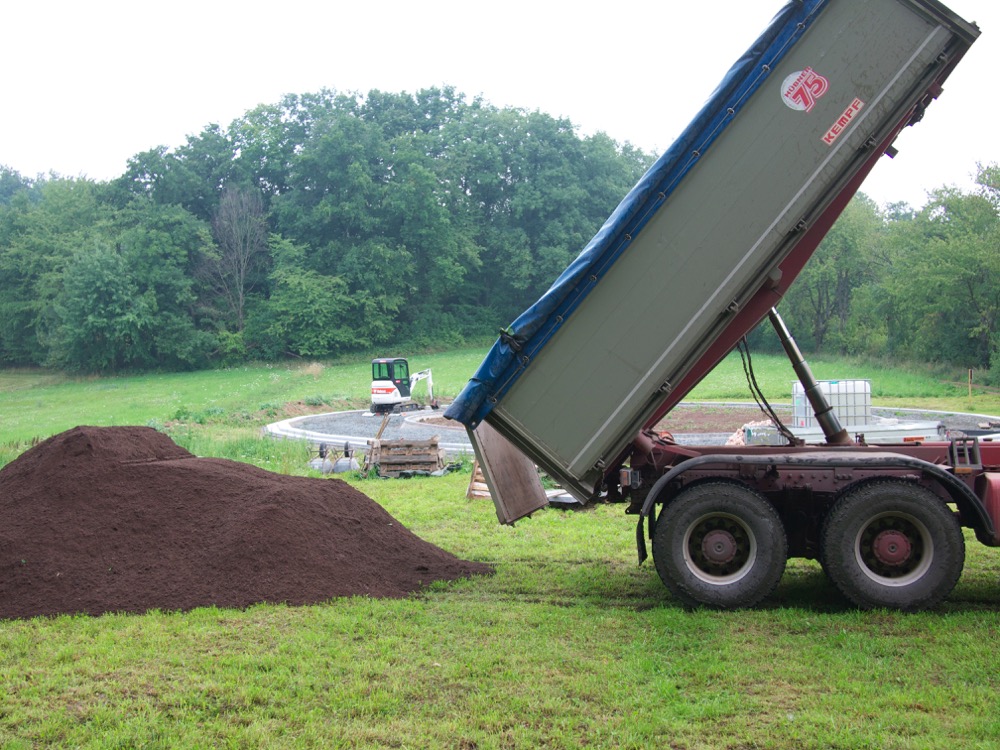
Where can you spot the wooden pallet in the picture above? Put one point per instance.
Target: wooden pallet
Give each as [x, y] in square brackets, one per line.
[393, 457]
[477, 485]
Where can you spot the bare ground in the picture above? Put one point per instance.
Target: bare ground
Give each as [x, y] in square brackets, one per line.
[714, 417]
[695, 418]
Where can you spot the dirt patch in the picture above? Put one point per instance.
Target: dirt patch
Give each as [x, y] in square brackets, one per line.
[714, 418]
[443, 422]
[97, 520]
[694, 418]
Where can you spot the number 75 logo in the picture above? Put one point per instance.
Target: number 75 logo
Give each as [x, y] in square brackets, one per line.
[802, 89]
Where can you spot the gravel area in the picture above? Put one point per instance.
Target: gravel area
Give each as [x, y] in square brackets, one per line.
[358, 427]
[690, 423]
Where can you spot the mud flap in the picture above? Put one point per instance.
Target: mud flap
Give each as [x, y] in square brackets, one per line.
[640, 536]
[511, 476]
[640, 541]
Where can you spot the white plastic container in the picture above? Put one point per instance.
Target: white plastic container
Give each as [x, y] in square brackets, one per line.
[851, 401]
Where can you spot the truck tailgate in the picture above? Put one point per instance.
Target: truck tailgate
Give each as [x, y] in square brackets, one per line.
[712, 234]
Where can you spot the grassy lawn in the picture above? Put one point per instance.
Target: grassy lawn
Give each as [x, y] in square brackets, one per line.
[35, 404]
[898, 386]
[570, 644]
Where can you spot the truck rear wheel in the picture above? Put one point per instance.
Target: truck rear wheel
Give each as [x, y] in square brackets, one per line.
[719, 544]
[893, 544]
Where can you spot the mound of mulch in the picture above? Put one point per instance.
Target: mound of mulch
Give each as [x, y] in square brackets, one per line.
[122, 519]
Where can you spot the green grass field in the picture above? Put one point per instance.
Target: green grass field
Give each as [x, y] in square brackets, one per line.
[570, 644]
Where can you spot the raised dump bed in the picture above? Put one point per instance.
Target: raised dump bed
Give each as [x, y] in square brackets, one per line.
[710, 238]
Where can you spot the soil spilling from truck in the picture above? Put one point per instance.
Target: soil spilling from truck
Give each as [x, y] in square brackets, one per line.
[122, 519]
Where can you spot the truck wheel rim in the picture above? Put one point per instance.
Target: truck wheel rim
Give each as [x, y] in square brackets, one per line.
[719, 548]
[894, 549]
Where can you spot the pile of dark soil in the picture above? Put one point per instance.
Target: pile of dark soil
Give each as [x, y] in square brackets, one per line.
[110, 519]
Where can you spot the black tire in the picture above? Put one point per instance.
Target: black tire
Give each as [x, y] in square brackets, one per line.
[720, 545]
[892, 544]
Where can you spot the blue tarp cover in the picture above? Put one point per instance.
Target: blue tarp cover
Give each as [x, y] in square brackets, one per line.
[512, 353]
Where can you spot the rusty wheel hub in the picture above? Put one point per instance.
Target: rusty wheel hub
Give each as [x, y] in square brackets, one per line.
[719, 546]
[892, 547]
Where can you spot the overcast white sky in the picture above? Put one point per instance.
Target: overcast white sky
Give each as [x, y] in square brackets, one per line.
[88, 84]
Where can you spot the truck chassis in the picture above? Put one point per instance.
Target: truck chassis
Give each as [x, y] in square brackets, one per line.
[885, 523]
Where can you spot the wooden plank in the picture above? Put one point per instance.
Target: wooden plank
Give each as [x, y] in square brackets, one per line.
[477, 484]
[408, 457]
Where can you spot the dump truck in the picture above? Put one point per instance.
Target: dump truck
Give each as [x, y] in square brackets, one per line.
[696, 255]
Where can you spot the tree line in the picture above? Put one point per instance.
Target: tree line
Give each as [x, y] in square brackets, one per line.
[908, 285]
[332, 223]
[323, 224]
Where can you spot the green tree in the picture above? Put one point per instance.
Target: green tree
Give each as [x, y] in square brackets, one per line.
[40, 231]
[267, 138]
[944, 284]
[128, 299]
[106, 319]
[11, 183]
[820, 302]
[307, 315]
[336, 187]
[378, 276]
[443, 253]
[192, 176]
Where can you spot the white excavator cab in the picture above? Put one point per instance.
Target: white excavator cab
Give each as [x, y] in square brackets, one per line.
[392, 385]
